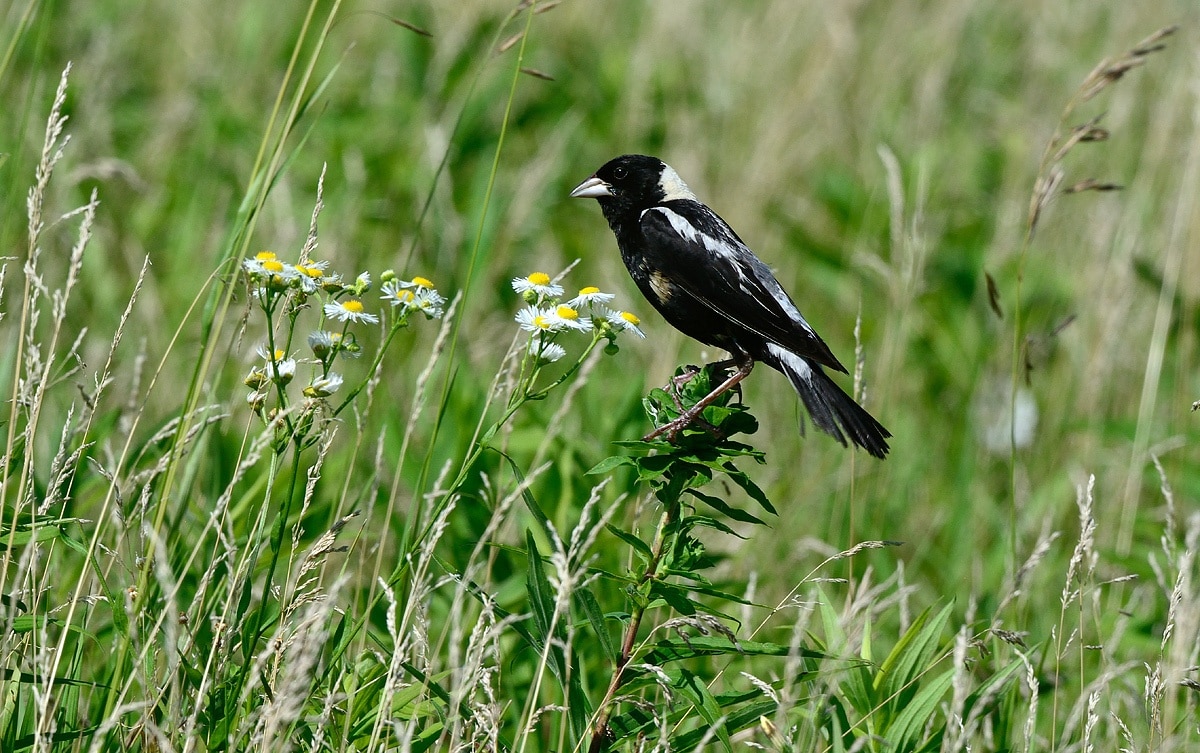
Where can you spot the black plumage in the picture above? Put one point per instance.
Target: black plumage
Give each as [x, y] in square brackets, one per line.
[696, 271]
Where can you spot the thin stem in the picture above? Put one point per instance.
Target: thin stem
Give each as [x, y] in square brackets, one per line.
[600, 731]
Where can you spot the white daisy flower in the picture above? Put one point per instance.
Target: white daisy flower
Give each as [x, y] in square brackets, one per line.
[417, 282]
[266, 266]
[398, 294]
[349, 310]
[590, 296]
[430, 302]
[625, 321]
[534, 319]
[324, 386]
[537, 283]
[547, 352]
[570, 318]
[311, 274]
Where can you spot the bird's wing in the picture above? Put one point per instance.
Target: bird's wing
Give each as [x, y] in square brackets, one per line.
[709, 262]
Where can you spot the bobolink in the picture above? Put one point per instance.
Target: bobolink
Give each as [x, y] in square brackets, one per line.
[709, 285]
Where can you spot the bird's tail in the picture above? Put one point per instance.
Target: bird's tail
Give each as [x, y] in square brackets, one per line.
[832, 410]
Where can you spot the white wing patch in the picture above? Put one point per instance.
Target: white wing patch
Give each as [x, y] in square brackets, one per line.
[738, 257]
[724, 248]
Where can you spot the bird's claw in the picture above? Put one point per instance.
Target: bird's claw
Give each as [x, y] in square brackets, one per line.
[672, 428]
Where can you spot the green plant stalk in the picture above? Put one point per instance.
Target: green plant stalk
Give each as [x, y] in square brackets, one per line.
[604, 710]
[474, 261]
[215, 316]
[276, 543]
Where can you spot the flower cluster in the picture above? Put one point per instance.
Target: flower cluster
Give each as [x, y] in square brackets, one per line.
[547, 315]
[283, 290]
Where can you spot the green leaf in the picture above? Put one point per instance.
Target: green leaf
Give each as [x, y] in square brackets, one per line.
[735, 721]
[675, 596]
[676, 649]
[608, 464]
[896, 682]
[696, 692]
[595, 616]
[537, 587]
[751, 488]
[709, 522]
[725, 508]
[905, 730]
[639, 546]
[24, 537]
[527, 495]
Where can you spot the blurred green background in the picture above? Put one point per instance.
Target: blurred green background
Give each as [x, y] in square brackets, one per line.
[879, 155]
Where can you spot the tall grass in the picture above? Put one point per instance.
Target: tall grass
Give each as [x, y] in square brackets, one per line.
[200, 549]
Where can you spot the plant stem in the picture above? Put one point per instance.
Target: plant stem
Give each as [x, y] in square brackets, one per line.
[600, 731]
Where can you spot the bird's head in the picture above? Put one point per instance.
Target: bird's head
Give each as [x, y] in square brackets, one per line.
[633, 182]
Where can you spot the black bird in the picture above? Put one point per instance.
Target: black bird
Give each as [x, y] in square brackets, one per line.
[709, 285]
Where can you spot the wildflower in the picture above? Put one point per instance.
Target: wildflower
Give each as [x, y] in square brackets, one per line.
[281, 370]
[571, 319]
[534, 319]
[349, 310]
[256, 400]
[324, 386]
[625, 321]
[311, 274]
[549, 353]
[536, 285]
[431, 303]
[265, 266]
[415, 295]
[418, 282]
[323, 343]
[590, 296]
[397, 294]
[255, 379]
[362, 283]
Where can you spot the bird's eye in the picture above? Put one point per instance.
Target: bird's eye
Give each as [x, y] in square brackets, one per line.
[619, 173]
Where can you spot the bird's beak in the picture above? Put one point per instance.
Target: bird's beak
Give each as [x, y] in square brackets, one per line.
[592, 188]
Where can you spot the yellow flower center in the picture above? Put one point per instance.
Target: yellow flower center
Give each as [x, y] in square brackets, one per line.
[631, 318]
[589, 290]
[422, 282]
[539, 278]
[566, 312]
[541, 322]
[273, 266]
[406, 296]
[310, 270]
[354, 307]
[265, 256]
[279, 354]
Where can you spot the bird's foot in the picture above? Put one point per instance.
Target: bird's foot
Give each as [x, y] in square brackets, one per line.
[693, 414]
[688, 418]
